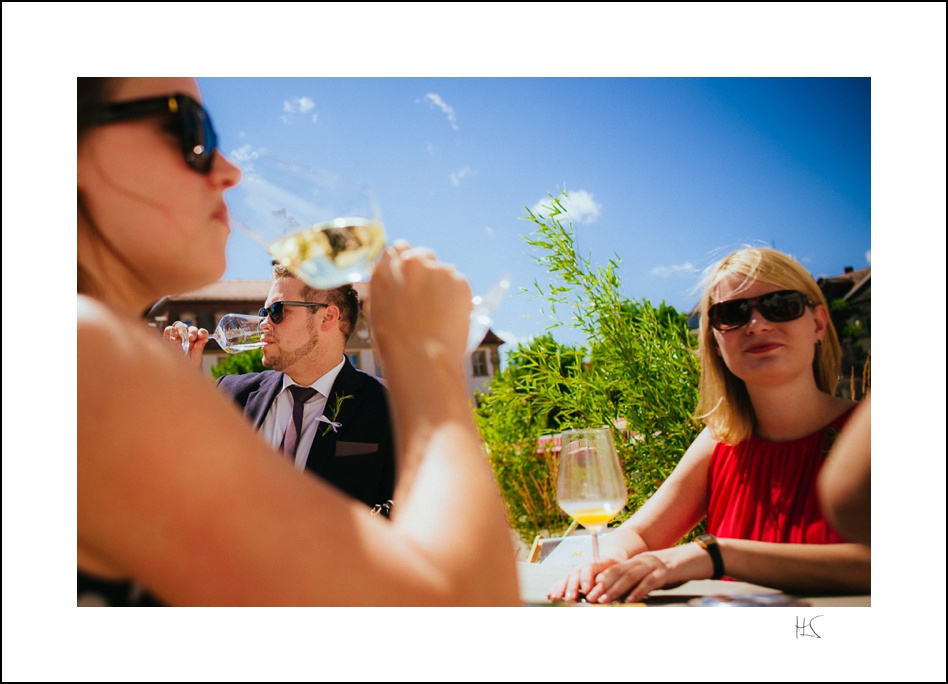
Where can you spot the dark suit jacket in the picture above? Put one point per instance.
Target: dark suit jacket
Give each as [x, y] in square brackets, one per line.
[359, 458]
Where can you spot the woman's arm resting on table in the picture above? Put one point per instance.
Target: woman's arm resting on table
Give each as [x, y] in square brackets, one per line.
[673, 510]
[793, 568]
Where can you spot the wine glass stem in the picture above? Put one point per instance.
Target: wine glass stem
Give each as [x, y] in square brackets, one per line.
[595, 536]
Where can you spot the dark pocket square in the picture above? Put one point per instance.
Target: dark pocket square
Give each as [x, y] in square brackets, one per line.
[356, 448]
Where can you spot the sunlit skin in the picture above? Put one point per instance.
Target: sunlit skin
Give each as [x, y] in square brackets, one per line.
[764, 354]
[175, 489]
[294, 345]
[161, 215]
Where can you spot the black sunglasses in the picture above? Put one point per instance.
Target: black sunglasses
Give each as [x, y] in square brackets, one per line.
[777, 307]
[275, 310]
[192, 123]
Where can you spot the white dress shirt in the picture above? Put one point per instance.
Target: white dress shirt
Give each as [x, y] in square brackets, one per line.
[281, 411]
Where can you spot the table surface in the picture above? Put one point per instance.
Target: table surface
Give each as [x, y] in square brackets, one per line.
[536, 579]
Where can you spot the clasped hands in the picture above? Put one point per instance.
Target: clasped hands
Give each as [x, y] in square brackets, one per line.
[629, 580]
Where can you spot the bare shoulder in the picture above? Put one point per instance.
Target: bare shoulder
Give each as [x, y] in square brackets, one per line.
[113, 349]
[701, 448]
[91, 314]
[693, 466]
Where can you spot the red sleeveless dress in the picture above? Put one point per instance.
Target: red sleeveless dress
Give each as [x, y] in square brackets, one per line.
[766, 491]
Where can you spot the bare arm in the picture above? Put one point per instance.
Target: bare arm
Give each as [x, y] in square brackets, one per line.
[176, 490]
[674, 509]
[845, 484]
[794, 568]
[642, 556]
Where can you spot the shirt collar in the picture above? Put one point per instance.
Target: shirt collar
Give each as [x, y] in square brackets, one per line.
[323, 384]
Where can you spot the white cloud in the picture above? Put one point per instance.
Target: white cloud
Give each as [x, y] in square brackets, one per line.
[456, 176]
[448, 110]
[511, 339]
[685, 269]
[579, 205]
[242, 153]
[298, 105]
[869, 257]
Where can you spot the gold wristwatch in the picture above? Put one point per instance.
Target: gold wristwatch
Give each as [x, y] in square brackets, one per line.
[709, 543]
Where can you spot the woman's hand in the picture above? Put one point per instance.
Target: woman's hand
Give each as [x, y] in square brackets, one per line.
[579, 580]
[632, 579]
[415, 300]
[178, 331]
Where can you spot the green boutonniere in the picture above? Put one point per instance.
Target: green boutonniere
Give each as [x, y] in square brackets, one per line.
[332, 424]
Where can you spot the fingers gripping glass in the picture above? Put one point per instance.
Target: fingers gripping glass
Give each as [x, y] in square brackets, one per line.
[191, 121]
[275, 310]
[776, 307]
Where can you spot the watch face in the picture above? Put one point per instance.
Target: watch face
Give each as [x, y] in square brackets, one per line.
[707, 539]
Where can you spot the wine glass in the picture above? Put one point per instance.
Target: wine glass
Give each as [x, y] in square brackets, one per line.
[325, 229]
[234, 333]
[590, 486]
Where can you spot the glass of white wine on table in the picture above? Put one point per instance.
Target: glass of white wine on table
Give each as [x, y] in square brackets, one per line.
[325, 229]
[590, 486]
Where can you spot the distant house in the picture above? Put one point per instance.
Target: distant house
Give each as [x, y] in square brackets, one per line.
[205, 306]
[850, 299]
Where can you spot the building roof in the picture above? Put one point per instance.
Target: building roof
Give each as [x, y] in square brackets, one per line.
[853, 286]
[256, 291]
[230, 290]
[239, 290]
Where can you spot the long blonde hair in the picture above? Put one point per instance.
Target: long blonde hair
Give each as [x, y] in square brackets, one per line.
[723, 402]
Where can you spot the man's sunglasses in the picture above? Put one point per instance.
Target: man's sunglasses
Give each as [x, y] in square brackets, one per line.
[191, 122]
[275, 310]
[777, 307]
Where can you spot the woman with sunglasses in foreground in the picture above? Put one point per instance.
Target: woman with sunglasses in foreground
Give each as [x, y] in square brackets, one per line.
[770, 362]
[180, 502]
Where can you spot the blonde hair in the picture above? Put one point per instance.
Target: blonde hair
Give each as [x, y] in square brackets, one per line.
[723, 402]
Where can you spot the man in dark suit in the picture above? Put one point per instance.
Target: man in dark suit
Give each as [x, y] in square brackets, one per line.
[345, 435]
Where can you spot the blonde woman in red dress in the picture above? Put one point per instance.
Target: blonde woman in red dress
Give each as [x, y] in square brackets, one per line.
[770, 362]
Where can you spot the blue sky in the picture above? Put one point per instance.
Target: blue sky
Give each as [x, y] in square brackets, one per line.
[667, 174]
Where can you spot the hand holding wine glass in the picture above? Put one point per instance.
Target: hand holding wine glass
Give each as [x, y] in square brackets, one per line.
[323, 228]
[234, 333]
[590, 486]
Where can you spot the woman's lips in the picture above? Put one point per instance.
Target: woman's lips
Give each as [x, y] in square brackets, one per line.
[762, 348]
[222, 215]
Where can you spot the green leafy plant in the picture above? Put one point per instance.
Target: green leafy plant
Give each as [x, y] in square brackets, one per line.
[851, 325]
[250, 361]
[638, 373]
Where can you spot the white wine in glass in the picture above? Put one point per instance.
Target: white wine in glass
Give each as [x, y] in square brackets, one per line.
[322, 227]
[325, 229]
[234, 333]
[590, 486]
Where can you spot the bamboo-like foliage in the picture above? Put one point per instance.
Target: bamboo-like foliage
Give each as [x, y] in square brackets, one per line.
[250, 361]
[638, 373]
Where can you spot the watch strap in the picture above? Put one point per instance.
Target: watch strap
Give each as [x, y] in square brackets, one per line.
[709, 543]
